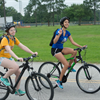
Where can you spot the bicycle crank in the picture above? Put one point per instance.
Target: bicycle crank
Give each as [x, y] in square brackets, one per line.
[64, 79]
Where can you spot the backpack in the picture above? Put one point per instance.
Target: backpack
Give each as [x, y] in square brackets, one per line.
[51, 42]
[1, 37]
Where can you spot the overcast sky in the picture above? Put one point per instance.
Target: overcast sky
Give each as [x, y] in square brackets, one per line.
[23, 3]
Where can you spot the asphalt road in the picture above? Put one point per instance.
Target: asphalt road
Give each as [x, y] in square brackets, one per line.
[70, 92]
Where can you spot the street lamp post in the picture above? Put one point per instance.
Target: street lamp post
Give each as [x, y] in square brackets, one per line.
[4, 12]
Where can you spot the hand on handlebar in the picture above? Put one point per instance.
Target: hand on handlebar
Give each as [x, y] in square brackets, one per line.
[84, 47]
[36, 53]
[20, 59]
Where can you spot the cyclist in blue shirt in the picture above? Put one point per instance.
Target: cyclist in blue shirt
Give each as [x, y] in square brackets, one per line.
[59, 51]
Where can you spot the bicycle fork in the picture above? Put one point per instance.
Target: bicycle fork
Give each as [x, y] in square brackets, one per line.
[35, 81]
[87, 74]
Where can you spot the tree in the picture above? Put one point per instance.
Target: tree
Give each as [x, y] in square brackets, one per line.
[28, 13]
[77, 12]
[3, 3]
[94, 5]
[10, 11]
[44, 9]
[32, 8]
[54, 7]
[1, 9]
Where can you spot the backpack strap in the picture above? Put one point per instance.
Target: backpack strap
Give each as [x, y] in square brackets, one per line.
[14, 40]
[51, 42]
[7, 38]
[8, 41]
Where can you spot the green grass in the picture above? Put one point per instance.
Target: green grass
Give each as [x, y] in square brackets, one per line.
[38, 38]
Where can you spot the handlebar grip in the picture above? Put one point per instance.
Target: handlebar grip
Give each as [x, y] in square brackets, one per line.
[81, 48]
[26, 59]
[34, 55]
[84, 47]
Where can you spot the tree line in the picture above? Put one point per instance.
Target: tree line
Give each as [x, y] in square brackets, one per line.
[38, 11]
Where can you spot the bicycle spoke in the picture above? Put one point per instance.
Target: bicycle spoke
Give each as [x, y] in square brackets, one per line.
[3, 90]
[50, 70]
[43, 88]
[89, 81]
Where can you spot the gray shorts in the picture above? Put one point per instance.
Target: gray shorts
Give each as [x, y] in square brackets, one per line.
[2, 58]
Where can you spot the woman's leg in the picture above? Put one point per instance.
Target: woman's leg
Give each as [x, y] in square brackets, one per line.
[17, 75]
[13, 69]
[70, 51]
[11, 65]
[62, 59]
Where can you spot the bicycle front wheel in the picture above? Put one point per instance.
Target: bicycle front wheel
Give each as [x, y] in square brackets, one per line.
[4, 92]
[50, 70]
[35, 90]
[88, 78]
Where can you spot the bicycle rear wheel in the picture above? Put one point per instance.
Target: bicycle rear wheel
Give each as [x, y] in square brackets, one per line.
[50, 70]
[35, 90]
[88, 78]
[4, 92]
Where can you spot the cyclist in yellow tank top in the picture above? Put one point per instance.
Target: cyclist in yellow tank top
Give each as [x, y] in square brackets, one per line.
[6, 55]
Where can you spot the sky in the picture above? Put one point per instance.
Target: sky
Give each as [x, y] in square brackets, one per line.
[23, 3]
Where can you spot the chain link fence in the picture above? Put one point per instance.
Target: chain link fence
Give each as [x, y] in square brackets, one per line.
[57, 23]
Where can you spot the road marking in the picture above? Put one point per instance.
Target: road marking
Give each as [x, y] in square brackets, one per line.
[68, 80]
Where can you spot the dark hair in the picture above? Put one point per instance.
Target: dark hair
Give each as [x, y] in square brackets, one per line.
[8, 26]
[63, 19]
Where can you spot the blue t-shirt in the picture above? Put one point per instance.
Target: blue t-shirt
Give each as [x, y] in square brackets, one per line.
[62, 39]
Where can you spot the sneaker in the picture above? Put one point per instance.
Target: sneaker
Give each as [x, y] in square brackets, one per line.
[73, 70]
[59, 84]
[5, 81]
[19, 92]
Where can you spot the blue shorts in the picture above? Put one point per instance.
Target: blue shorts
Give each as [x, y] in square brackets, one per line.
[2, 58]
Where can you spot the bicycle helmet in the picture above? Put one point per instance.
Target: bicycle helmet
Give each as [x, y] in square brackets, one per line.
[63, 19]
[8, 26]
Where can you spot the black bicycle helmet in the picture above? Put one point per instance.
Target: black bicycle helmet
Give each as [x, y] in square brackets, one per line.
[63, 19]
[8, 26]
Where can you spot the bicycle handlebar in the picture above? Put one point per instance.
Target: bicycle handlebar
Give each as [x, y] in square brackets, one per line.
[79, 51]
[27, 59]
[83, 48]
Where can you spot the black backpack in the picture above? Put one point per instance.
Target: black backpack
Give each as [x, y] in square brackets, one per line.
[51, 42]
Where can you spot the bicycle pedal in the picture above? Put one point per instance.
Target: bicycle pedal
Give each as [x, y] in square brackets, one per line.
[2, 83]
[21, 94]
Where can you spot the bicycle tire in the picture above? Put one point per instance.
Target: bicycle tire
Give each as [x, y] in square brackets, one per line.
[46, 69]
[91, 82]
[4, 91]
[35, 90]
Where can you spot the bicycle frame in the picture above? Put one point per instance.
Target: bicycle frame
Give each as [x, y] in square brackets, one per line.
[73, 64]
[12, 88]
[67, 60]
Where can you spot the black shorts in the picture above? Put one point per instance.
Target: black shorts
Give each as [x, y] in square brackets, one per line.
[55, 51]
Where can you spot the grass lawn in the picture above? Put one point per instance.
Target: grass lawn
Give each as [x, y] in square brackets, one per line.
[38, 38]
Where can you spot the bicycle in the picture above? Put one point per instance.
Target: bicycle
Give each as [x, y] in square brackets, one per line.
[87, 76]
[37, 85]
